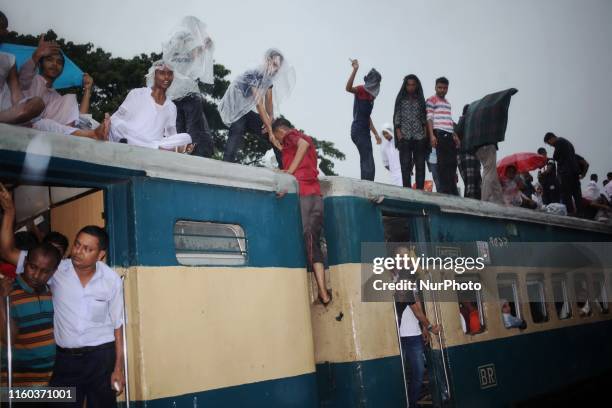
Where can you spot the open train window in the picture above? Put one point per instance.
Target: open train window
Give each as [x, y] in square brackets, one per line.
[507, 288]
[537, 300]
[209, 243]
[581, 291]
[561, 297]
[601, 295]
[471, 311]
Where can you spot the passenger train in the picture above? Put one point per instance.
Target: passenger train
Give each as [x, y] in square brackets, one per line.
[221, 311]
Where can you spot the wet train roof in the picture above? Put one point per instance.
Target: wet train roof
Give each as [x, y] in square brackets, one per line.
[172, 166]
[342, 186]
[154, 163]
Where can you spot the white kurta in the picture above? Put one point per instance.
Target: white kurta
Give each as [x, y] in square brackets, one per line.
[142, 122]
[390, 158]
[7, 61]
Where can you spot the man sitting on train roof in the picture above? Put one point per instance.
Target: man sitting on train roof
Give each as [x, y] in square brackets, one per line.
[147, 117]
[511, 321]
[62, 112]
[14, 108]
[300, 159]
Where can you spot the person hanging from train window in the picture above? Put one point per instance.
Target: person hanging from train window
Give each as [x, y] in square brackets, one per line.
[511, 321]
[250, 102]
[190, 51]
[61, 113]
[147, 117]
[390, 155]
[300, 160]
[31, 318]
[14, 108]
[362, 122]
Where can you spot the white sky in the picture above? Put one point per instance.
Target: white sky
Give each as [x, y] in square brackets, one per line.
[557, 53]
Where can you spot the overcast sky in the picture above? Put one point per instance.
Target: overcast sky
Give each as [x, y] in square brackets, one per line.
[557, 53]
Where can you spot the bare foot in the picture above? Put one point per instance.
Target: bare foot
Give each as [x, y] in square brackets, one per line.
[102, 130]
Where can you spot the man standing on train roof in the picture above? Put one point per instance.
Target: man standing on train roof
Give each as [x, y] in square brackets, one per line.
[14, 109]
[300, 160]
[569, 172]
[147, 117]
[251, 99]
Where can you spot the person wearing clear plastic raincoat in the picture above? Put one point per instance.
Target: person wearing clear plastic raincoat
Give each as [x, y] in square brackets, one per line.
[250, 102]
[189, 51]
[147, 117]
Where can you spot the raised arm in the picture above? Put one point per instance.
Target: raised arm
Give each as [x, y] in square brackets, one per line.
[8, 251]
[349, 83]
[87, 87]
[28, 70]
[270, 104]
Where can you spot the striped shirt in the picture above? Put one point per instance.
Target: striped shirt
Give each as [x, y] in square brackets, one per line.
[439, 113]
[34, 346]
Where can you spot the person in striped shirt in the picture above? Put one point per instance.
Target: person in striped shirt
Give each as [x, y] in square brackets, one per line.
[31, 318]
[440, 128]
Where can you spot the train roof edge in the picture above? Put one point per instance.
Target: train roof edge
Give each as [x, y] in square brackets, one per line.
[154, 163]
[342, 186]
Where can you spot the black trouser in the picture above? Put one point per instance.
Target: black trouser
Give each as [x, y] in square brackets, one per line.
[413, 153]
[190, 119]
[252, 123]
[447, 162]
[571, 195]
[90, 372]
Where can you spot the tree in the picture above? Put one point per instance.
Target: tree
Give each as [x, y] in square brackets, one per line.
[114, 77]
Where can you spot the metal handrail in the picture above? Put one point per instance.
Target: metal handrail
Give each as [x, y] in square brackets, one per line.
[125, 348]
[399, 340]
[9, 350]
[440, 337]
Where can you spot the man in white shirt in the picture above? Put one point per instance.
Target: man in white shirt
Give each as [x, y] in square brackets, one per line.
[88, 315]
[147, 117]
[592, 189]
[13, 107]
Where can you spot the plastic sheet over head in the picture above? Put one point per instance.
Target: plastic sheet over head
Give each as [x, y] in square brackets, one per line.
[157, 65]
[189, 50]
[372, 82]
[250, 88]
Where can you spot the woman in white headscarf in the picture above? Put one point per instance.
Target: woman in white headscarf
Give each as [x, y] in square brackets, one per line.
[252, 99]
[390, 155]
[189, 51]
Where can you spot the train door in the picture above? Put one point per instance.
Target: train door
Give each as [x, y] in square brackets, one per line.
[413, 229]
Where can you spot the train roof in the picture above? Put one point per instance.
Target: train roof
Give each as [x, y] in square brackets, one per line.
[342, 186]
[151, 162]
[173, 166]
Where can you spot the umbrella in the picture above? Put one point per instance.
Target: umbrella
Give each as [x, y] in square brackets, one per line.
[524, 162]
[71, 75]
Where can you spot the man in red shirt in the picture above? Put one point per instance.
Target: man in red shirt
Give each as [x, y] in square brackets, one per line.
[300, 159]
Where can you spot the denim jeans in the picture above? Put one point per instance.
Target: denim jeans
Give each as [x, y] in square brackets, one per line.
[413, 153]
[363, 141]
[252, 123]
[413, 349]
[190, 119]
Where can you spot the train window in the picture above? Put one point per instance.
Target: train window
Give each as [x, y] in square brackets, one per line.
[582, 295]
[561, 298]
[209, 243]
[471, 311]
[601, 295]
[537, 302]
[507, 288]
